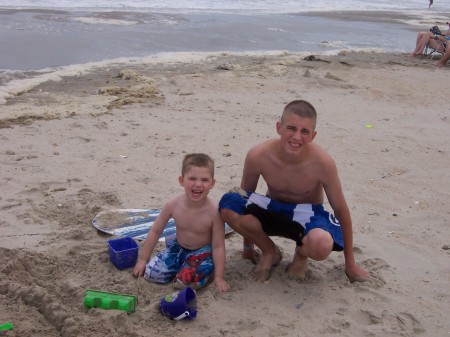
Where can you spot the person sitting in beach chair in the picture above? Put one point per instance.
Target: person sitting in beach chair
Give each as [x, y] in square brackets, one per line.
[431, 42]
[442, 62]
[437, 45]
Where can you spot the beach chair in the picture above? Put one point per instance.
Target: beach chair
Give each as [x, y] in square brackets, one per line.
[432, 52]
[441, 45]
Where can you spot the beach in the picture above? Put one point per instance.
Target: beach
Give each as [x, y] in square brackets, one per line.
[114, 136]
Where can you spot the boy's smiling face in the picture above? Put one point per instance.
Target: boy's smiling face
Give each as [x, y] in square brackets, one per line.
[296, 132]
[197, 182]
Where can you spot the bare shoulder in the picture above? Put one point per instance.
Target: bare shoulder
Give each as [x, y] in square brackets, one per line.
[213, 207]
[262, 150]
[174, 202]
[212, 204]
[319, 153]
[262, 147]
[324, 163]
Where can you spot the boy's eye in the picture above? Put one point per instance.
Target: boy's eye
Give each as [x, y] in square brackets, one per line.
[199, 179]
[294, 129]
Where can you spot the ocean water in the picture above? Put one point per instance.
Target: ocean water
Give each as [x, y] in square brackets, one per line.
[249, 6]
[42, 39]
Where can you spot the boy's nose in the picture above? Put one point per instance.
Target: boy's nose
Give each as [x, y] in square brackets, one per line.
[298, 135]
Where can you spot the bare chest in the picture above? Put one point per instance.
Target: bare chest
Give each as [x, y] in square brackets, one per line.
[294, 184]
[198, 222]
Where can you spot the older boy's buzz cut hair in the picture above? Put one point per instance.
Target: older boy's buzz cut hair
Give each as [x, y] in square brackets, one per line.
[301, 109]
[197, 160]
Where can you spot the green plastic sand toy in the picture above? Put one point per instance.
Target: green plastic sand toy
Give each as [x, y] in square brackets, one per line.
[101, 299]
[6, 326]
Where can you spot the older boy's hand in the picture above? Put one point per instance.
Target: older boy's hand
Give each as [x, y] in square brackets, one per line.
[356, 274]
[139, 268]
[221, 284]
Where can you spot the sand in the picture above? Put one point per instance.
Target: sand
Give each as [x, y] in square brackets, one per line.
[114, 137]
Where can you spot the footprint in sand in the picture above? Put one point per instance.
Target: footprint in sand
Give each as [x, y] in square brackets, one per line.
[400, 324]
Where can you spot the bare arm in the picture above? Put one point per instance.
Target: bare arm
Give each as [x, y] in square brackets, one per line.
[152, 238]
[333, 190]
[251, 172]
[249, 182]
[218, 252]
[440, 38]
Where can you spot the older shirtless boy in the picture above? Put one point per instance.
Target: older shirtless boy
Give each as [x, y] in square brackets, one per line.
[298, 172]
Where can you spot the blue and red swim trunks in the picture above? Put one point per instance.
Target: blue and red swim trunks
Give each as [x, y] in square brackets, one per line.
[181, 266]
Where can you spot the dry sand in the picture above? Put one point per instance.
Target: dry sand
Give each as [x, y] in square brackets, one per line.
[115, 138]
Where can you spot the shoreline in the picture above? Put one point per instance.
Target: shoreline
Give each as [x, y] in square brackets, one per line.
[42, 39]
[33, 85]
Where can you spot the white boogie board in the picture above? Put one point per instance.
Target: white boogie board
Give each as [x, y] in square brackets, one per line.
[134, 223]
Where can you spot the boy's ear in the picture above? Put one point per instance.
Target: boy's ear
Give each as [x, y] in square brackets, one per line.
[181, 180]
[278, 127]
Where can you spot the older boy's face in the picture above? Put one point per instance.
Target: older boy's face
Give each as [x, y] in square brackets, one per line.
[296, 132]
[197, 182]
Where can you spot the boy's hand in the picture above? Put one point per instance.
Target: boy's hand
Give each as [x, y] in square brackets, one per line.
[356, 274]
[221, 284]
[139, 268]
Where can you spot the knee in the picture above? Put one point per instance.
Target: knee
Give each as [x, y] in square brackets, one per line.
[155, 276]
[320, 244]
[229, 216]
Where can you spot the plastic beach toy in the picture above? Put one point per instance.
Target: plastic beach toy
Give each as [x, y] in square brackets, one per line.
[123, 252]
[180, 305]
[6, 326]
[101, 299]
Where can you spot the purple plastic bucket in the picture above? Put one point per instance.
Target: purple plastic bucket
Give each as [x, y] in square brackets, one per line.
[180, 305]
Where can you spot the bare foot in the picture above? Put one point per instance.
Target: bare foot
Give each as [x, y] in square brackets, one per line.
[416, 54]
[251, 254]
[262, 275]
[438, 64]
[265, 265]
[297, 270]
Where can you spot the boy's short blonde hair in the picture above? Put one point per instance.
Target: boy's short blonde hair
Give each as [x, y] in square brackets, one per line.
[197, 160]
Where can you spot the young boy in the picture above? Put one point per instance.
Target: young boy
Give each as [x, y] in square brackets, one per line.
[199, 248]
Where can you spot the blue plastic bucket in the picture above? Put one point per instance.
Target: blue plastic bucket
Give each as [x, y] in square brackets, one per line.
[180, 305]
